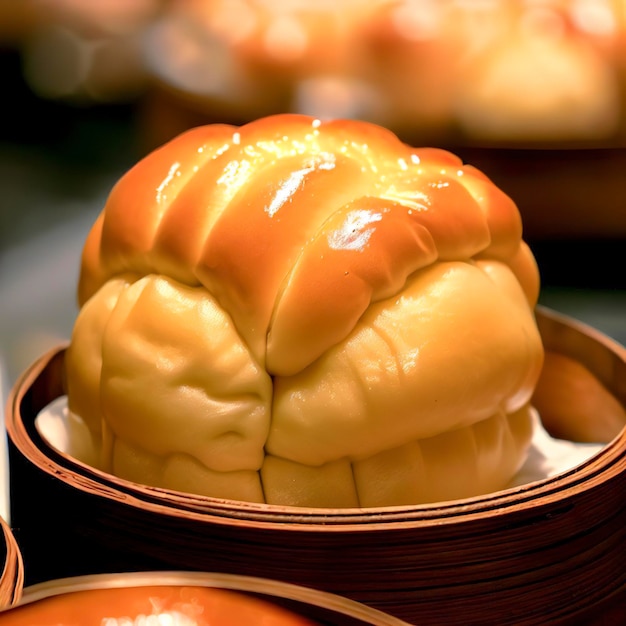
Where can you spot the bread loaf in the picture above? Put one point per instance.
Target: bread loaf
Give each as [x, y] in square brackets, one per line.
[307, 313]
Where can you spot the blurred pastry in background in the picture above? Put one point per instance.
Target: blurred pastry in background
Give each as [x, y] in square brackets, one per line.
[409, 57]
[84, 51]
[448, 72]
[538, 80]
[237, 60]
[387, 61]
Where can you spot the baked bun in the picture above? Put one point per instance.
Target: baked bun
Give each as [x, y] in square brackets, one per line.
[307, 313]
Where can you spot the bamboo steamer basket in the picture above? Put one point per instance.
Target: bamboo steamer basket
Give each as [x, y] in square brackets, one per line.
[223, 599]
[12, 573]
[553, 551]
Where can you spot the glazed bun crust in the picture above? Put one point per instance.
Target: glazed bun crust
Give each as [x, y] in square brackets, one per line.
[270, 307]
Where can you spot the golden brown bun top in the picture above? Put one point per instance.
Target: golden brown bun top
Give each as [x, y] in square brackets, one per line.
[297, 225]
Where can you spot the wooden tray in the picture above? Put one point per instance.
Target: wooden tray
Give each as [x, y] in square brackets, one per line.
[548, 552]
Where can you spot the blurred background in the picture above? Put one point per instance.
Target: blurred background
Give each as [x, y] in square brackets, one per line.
[533, 92]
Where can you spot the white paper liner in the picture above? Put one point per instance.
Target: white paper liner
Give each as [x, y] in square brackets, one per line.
[67, 433]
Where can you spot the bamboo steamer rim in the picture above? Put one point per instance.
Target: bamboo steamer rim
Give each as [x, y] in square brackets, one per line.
[12, 575]
[602, 467]
[270, 590]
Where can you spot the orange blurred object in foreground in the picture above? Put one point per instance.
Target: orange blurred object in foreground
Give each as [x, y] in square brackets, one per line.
[158, 605]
